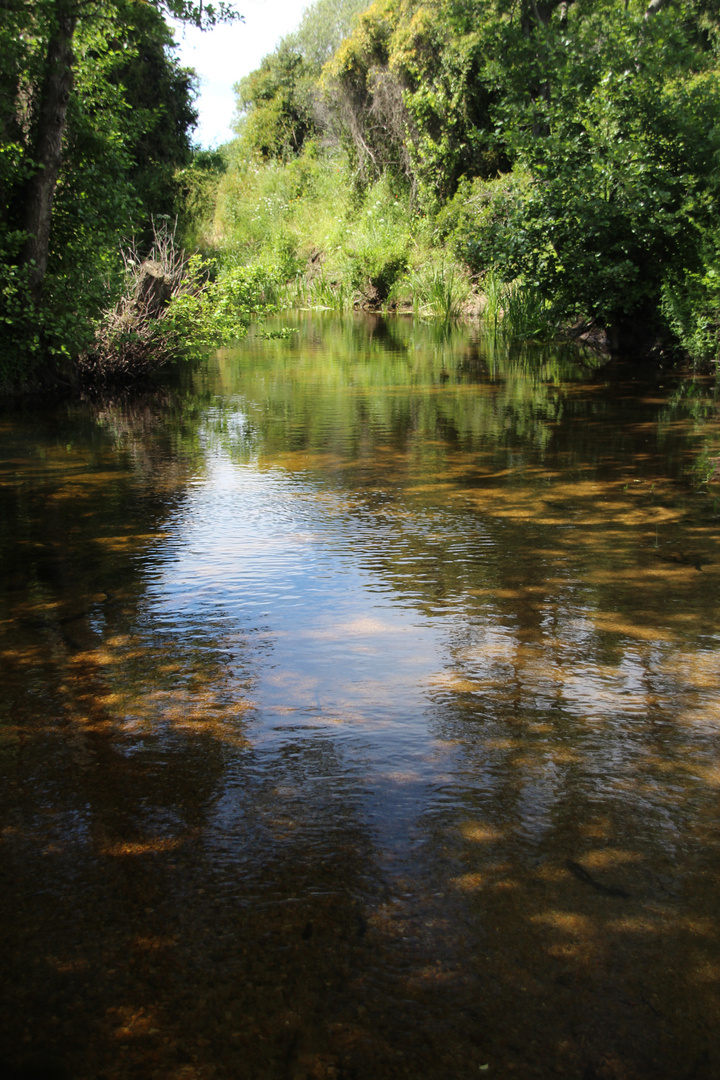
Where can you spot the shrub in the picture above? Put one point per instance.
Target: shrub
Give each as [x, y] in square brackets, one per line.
[170, 308]
[690, 305]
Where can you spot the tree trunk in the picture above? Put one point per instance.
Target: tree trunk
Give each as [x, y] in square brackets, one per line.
[48, 143]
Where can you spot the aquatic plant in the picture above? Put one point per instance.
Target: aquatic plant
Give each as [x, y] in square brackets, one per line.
[437, 288]
[514, 309]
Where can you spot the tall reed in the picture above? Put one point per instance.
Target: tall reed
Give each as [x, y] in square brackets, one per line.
[437, 289]
[515, 310]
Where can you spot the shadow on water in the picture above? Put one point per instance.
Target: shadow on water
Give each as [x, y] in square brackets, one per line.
[360, 719]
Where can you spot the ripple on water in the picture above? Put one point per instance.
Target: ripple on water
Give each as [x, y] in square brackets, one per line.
[359, 722]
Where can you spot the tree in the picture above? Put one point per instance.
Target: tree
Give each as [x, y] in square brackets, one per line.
[95, 119]
[278, 103]
[48, 93]
[621, 153]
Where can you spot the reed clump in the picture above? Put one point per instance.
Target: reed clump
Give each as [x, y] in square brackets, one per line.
[515, 310]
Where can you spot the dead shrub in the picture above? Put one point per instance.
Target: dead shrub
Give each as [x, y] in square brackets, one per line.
[134, 337]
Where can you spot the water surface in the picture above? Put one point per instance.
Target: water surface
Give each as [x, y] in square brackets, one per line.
[361, 717]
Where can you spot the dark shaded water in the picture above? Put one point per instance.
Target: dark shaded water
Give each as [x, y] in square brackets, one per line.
[360, 719]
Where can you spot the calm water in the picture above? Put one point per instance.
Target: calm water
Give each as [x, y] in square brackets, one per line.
[361, 719]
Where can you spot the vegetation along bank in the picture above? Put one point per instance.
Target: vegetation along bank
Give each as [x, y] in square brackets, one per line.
[552, 167]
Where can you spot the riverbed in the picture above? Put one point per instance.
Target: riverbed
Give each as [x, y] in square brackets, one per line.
[361, 717]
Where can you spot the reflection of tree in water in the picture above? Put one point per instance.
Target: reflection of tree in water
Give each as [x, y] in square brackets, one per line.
[580, 834]
[546, 463]
[577, 570]
[576, 693]
[185, 903]
[197, 902]
[339, 386]
[75, 528]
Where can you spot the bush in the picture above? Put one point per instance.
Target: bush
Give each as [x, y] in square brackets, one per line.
[436, 288]
[141, 331]
[691, 307]
[171, 308]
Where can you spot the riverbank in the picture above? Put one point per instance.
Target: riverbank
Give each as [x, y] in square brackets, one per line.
[556, 160]
[320, 243]
[551, 168]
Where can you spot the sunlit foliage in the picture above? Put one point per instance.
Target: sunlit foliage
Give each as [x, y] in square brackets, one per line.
[95, 119]
[572, 147]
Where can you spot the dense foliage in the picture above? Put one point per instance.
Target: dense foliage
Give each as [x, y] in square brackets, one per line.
[570, 150]
[95, 121]
[555, 164]
[279, 106]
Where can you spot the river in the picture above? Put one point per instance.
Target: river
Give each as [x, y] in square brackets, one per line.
[361, 717]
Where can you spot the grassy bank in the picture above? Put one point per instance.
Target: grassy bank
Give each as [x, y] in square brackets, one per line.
[319, 240]
[549, 165]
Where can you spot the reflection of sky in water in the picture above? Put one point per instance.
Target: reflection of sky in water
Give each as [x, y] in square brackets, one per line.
[254, 553]
[329, 595]
[383, 685]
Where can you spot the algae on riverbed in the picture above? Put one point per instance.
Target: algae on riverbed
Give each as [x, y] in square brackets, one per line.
[320, 677]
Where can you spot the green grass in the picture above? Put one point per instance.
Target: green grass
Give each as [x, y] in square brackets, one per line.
[325, 245]
[515, 310]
